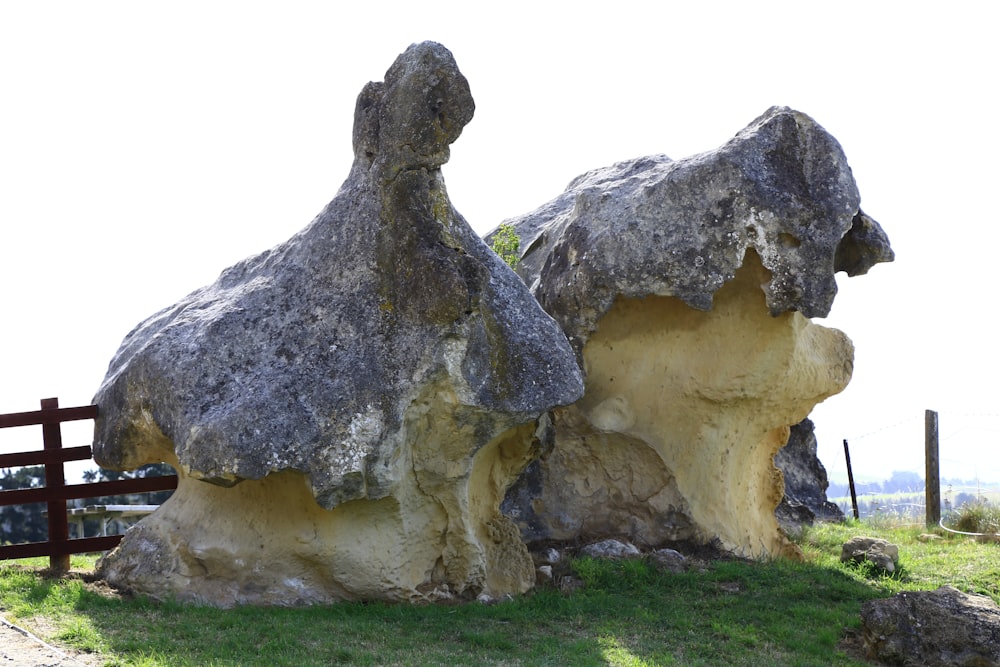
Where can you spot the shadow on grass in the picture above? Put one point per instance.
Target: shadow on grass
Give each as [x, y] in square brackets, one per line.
[628, 613]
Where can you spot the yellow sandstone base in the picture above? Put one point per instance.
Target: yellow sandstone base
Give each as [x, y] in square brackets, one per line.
[683, 412]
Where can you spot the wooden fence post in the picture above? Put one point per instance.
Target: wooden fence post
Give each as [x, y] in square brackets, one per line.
[56, 492]
[932, 481]
[55, 477]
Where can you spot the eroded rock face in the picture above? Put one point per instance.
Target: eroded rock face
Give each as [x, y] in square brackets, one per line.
[360, 396]
[685, 289]
[805, 481]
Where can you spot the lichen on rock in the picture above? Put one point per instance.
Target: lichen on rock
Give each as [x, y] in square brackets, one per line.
[358, 398]
[685, 288]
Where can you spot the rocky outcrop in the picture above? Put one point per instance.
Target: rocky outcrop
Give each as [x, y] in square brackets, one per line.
[346, 410]
[685, 288]
[932, 629]
[805, 482]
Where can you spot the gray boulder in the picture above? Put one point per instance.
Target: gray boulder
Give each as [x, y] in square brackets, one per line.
[368, 389]
[933, 629]
[806, 482]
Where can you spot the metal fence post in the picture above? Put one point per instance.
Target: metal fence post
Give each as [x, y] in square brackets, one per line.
[850, 480]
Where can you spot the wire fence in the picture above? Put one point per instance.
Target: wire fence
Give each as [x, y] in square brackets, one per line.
[890, 463]
[913, 515]
[890, 458]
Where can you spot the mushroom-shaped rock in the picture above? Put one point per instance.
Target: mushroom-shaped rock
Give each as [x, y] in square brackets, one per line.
[346, 410]
[685, 288]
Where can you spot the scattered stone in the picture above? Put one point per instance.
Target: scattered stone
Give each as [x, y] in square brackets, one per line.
[345, 410]
[488, 600]
[610, 549]
[729, 587]
[882, 553]
[442, 594]
[569, 584]
[806, 482]
[932, 629]
[548, 556]
[543, 574]
[669, 560]
[684, 287]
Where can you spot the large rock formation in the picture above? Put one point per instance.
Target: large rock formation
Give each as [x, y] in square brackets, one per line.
[685, 288]
[805, 481]
[346, 410]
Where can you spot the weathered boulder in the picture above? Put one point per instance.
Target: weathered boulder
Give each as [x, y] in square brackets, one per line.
[933, 629]
[685, 288]
[806, 482]
[883, 554]
[346, 410]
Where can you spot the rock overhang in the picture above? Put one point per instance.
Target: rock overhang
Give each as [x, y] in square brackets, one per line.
[307, 340]
[653, 225]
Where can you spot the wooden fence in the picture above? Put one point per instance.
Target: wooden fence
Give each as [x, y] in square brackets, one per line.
[56, 492]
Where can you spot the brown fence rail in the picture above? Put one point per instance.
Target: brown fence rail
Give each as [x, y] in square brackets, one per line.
[56, 492]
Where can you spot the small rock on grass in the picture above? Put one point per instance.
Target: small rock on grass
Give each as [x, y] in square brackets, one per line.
[884, 554]
[669, 560]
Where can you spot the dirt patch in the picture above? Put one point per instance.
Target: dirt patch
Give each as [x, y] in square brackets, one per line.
[91, 581]
[853, 645]
[20, 647]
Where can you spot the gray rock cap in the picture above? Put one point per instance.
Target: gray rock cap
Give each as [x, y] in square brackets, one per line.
[307, 356]
[653, 225]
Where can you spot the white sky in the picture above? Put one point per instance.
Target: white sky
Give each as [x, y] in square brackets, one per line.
[146, 146]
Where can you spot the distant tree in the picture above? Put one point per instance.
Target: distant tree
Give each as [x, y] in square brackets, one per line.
[27, 523]
[836, 490]
[91, 526]
[151, 470]
[868, 487]
[23, 523]
[964, 499]
[903, 481]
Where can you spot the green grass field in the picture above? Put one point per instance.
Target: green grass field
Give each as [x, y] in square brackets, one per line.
[724, 612]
